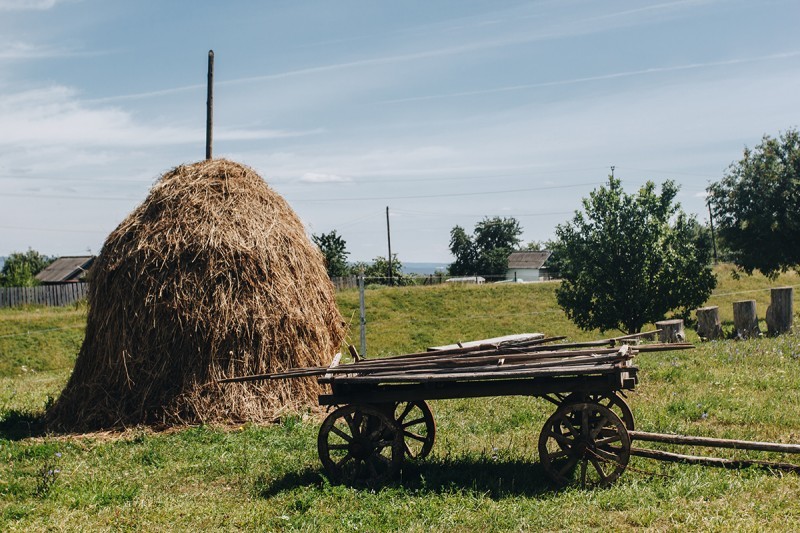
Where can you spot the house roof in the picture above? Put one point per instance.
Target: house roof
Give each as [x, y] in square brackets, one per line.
[67, 268]
[527, 259]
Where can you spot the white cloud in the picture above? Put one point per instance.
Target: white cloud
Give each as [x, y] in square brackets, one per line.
[316, 177]
[602, 77]
[27, 5]
[23, 50]
[575, 25]
[54, 116]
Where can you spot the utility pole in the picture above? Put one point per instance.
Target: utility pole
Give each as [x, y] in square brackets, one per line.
[389, 241]
[210, 105]
[363, 314]
[711, 223]
[612, 170]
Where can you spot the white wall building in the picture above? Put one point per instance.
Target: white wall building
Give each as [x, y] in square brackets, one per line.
[526, 266]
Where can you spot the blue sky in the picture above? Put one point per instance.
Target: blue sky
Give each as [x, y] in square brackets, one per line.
[445, 111]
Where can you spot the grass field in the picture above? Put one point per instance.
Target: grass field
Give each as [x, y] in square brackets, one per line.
[483, 473]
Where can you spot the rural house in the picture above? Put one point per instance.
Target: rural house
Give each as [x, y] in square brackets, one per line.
[67, 269]
[526, 266]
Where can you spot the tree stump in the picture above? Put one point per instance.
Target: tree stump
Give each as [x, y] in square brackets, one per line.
[671, 331]
[745, 320]
[709, 326]
[780, 310]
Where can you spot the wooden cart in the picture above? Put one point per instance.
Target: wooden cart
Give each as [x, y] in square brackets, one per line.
[381, 416]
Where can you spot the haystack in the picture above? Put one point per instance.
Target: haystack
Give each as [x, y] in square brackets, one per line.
[212, 276]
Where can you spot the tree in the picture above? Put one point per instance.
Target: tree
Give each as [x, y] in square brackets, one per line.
[756, 206]
[486, 251]
[553, 263]
[20, 269]
[378, 271]
[630, 259]
[334, 250]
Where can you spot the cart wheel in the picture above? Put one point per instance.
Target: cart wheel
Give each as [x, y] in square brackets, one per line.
[419, 429]
[585, 443]
[610, 400]
[360, 445]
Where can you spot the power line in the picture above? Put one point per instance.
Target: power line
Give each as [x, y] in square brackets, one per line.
[322, 200]
[705, 175]
[55, 230]
[73, 197]
[450, 214]
[446, 195]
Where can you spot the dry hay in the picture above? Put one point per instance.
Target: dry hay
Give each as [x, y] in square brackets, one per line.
[212, 276]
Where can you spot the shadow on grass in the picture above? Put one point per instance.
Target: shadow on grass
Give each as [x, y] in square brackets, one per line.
[495, 479]
[18, 425]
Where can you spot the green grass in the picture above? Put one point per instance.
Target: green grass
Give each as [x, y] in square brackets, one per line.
[36, 339]
[483, 473]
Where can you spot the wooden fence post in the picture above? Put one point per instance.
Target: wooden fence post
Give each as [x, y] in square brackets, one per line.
[745, 319]
[709, 326]
[671, 330]
[780, 310]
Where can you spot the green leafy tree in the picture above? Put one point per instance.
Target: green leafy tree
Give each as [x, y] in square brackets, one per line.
[756, 206]
[628, 260]
[20, 268]
[463, 249]
[378, 272]
[486, 251]
[553, 263]
[334, 249]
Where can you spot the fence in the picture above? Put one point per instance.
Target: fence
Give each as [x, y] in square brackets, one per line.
[351, 282]
[49, 295]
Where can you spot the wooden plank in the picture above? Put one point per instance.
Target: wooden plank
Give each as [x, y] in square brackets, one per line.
[518, 337]
[474, 389]
[334, 363]
[715, 443]
[711, 461]
[476, 376]
[484, 364]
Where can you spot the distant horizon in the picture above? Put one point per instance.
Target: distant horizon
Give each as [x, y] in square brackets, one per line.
[411, 267]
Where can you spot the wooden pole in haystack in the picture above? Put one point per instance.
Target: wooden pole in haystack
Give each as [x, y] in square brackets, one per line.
[210, 105]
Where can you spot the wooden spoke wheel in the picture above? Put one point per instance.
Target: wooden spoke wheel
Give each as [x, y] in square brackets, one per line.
[584, 443]
[419, 430]
[360, 445]
[611, 400]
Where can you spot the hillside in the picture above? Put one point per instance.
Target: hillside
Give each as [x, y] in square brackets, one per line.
[483, 473]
